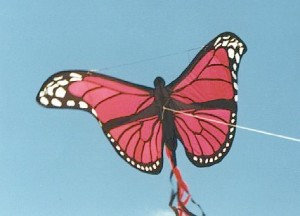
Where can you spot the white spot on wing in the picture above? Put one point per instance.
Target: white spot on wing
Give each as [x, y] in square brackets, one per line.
[233, 75]
[233, 44]
[44, 101]
[83, 105]
[57, 78]
[217, 41]
[62, 82]
[241, 50]
[94, 112]
[237, 57]
[231, 53]
[56, 102]
[70, 103]
[60, 92]
[225, 43]
[234, 66]
[218, 45]
[75, 75]
[41, 94]
[50, 84]
[236, 98]
[235, 85]
[75, 79]
[50, 90]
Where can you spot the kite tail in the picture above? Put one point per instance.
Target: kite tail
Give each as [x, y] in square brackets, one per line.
[182, 193]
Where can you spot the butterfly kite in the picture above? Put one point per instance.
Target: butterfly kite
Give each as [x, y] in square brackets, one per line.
[199, 109]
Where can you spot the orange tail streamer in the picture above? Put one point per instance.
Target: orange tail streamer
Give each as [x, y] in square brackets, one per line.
[182, 193]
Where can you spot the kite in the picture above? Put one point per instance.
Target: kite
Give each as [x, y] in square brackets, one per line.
[199, 109]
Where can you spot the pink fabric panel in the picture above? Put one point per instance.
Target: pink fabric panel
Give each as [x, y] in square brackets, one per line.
[196, 70]
[146, 153]
[220, 57]
[214, 144]
[79, 88]
[131, 145]
[146, 134]
[216, 72]
[114, 107]
[218, 115]
[205, 90]
[206, 148]
[118, 86]
[146, 103]
[200, 136]
[97, 95]
[141, 140]
[189, 139]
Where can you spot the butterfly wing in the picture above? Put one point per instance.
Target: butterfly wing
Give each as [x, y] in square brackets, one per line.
[125, 112]
[207, 89]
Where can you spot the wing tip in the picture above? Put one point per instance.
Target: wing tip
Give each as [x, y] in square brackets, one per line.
[54, 91]
[228, 37]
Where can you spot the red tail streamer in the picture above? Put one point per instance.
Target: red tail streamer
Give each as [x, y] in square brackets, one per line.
[182, 193]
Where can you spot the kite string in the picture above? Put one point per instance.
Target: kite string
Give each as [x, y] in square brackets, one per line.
[148, 59]
[236, 126]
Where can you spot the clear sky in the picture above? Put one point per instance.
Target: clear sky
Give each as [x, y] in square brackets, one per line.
[58, 162]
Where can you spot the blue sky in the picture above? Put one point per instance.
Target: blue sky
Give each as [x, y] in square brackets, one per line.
[58, 162]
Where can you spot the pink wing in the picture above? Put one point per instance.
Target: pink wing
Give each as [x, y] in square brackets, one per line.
[124, 110]
[205, 138]
[207, 89]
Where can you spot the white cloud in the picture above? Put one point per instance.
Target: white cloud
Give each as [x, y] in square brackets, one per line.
[162, 212]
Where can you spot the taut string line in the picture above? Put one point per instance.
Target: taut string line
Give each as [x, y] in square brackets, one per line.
[236, 126]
